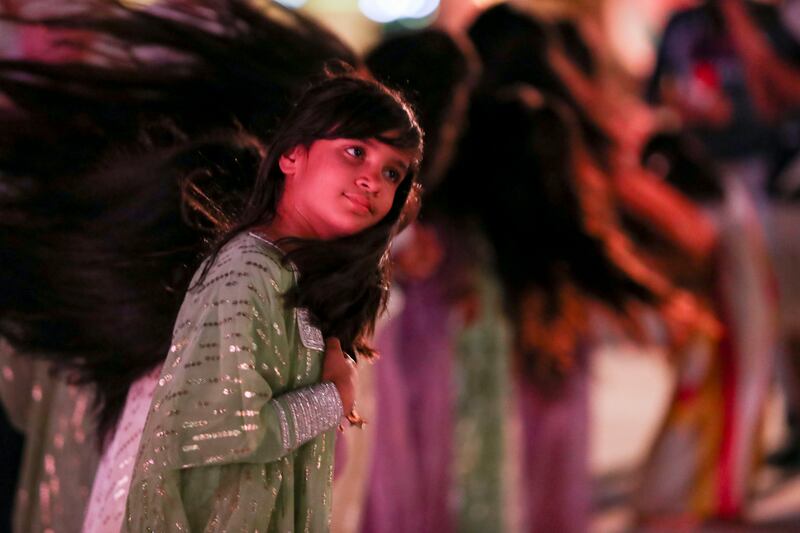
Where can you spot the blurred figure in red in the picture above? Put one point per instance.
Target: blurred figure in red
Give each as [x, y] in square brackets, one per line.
[702, 464]
[725, 68]
[730, 71]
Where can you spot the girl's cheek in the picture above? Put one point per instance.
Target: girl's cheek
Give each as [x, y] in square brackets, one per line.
[386, 204]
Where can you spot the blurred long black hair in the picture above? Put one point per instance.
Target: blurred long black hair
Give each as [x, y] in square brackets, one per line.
[680, 160]
[513, 47]
[531, 200]
[520, 186]
[118, 166]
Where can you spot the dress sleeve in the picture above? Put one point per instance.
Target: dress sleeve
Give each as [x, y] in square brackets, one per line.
[223, 395]
[224, 400]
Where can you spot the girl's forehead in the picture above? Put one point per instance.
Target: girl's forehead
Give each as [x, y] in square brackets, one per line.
[408, 155]
[406, 152]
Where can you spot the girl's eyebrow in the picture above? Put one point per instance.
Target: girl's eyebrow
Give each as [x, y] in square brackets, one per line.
[400, 163]
[405, 165]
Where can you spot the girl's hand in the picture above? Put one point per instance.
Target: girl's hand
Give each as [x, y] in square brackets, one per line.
[340, 370]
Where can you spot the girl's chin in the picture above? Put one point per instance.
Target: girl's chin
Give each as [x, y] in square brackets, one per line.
[356, 222]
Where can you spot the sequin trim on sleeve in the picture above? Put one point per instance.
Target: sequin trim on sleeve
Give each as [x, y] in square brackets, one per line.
[284, 422]
[310, 336]
[313, 410]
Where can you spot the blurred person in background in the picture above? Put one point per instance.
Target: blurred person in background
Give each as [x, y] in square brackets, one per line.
[738, 274]
[607, 180]
[547, 291]
[703, 461]
[730, 70]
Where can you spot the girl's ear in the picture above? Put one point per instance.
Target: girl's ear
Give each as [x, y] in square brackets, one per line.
[289, 160]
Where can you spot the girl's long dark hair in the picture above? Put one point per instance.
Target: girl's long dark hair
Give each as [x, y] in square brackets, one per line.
[117, 165]
[343, 282]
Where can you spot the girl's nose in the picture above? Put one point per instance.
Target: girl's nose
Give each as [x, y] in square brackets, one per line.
[369, 180]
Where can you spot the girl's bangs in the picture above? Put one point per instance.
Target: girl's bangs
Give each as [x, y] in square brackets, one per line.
[387, 121]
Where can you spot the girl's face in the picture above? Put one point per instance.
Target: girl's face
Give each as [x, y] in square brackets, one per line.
[340, 187]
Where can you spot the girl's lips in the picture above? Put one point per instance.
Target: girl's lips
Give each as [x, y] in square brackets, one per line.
[360, 202]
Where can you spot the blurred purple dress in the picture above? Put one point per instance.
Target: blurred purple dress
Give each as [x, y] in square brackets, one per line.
[555, 486]
[410, 479]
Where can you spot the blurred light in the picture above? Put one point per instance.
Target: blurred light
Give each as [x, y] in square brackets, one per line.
[631, 33]
[292, 3]
[485, 3]
[427, 7]
[384, 11]
[137, 4]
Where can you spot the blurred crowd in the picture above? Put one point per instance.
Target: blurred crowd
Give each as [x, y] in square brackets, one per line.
[556, 214]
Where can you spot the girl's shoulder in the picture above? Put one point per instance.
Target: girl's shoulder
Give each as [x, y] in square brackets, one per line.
[247, 256]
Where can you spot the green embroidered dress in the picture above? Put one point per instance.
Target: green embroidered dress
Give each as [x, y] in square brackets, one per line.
[239, 435]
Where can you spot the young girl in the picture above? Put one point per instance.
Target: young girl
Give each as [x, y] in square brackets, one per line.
[240, 436]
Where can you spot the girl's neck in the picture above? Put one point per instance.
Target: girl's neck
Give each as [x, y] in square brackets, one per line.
[283, 226]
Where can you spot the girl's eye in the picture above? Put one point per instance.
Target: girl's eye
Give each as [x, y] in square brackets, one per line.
[355, 151]
[392, 175]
